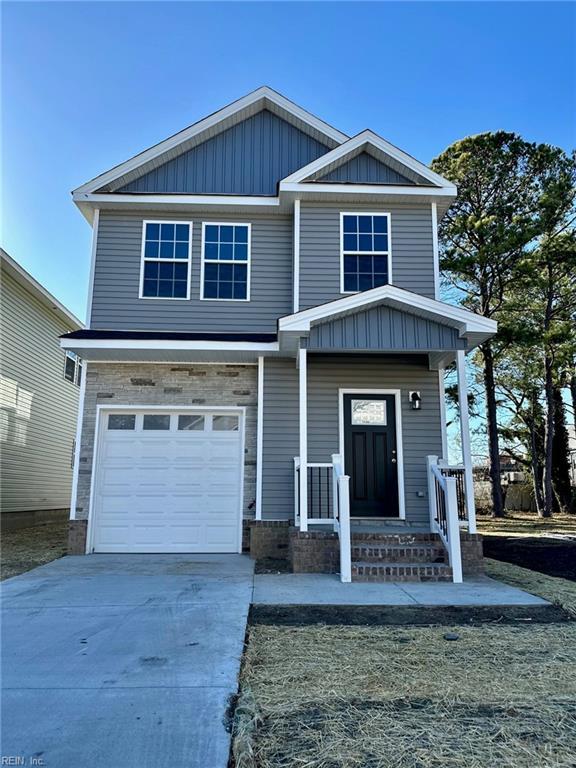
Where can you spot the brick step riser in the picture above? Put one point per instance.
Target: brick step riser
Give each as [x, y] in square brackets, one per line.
[399, 554]
[424, 572]
[396, 540]
[387, 578]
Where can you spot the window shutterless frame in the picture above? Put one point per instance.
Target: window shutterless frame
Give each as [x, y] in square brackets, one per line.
[204, 260]
[387, 253]
[188, 261]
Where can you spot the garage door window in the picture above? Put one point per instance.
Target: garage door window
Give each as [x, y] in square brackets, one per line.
[194, 423]
[121, 421]
[225, 423]
[154, 421]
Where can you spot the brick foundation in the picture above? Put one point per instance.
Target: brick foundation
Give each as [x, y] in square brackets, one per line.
[314, 551]
[269, 539]
[77, 530]
[472, 554]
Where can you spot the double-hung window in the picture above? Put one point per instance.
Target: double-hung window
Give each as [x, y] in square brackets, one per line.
[365, 251]
[226, 261]
[72, 368]
[166, 257]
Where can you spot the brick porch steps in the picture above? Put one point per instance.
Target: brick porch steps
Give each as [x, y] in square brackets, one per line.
[406, 556]
[375, 552]
[366, 571]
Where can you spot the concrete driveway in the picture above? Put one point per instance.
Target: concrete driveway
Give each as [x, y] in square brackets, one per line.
[128, 660]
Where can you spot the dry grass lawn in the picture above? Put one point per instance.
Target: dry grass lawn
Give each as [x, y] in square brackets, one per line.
[501, 696]
[526, 524]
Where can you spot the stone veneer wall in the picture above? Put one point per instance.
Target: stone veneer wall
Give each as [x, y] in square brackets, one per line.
[165, 384]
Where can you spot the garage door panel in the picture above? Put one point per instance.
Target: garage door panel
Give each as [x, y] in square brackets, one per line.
[178, 491]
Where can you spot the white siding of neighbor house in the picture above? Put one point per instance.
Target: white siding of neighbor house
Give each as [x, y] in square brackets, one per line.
[38, 406]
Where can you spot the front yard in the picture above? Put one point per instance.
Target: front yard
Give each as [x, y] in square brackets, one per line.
[28, 548]
[502, 694]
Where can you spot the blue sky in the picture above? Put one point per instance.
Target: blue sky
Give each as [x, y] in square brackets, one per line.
[87, 85]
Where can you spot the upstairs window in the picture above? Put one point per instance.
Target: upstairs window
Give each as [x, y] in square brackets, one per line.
[73, 368]
[365, 251]
[166, 256]
[226, 262]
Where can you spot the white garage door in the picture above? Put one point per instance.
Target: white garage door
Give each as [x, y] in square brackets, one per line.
[168, 482]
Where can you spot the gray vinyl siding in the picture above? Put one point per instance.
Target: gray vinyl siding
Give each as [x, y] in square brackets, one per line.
[247, 159]
[411, 248]
[421, 430]
[116, 304]
[38, 407]
[280, 438]
[386, 329]
[365, 169]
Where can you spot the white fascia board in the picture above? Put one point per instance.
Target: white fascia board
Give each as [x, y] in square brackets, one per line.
[169, 344]
[147, 200]
[371, 138]
[303, 188]
[460, 318]
[262, 94]
[36, 289]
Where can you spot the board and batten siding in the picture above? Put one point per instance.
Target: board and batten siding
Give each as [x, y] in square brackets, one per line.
[38, 406]
[115, 303]
[365, 169]
[248, 159]
[383, 328]
[411, 247]
[327, 373]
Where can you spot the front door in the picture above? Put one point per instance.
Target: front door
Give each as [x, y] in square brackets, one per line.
[370, 454]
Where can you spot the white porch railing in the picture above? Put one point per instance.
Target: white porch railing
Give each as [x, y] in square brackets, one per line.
[443, 506]
[327, 503]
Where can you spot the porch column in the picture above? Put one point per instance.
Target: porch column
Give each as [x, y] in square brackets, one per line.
[303, 426]
[465, 438]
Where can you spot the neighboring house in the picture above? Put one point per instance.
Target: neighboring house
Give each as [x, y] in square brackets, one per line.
[263, 298]
[39, 390]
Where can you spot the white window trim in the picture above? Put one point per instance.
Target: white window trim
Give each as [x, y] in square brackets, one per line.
[387, 253]
[99, 428]
[203, 259]
[143, 260]
[399, 444]
[76, 359]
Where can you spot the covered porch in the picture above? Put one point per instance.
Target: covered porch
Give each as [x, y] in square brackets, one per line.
[371, 389]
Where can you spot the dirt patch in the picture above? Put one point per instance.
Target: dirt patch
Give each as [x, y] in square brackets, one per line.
[555, 557]
[398, 616]
[28, 548]
[272, 565]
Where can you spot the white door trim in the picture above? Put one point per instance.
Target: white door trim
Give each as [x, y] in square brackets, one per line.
[399, 443]
[104, 408]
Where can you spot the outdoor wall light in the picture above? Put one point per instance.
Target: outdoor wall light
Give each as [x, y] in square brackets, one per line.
[415, 400]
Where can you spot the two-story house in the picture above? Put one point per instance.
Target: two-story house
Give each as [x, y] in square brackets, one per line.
[265, 350]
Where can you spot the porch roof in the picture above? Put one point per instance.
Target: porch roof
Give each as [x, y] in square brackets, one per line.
[443, 327]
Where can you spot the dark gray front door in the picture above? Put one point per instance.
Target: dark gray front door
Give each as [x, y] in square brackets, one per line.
[370, 454]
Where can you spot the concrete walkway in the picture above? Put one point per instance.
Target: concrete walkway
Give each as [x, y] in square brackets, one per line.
[129, 661]
[321, 589]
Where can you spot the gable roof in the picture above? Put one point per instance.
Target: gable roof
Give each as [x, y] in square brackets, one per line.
[475, 328]
[368, 141]
[32, 285]
[260, 99]
[364, 168]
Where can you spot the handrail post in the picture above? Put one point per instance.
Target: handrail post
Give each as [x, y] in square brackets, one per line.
[453, 530]
[303, 434]
[335, 463]
[430, 460]
[345, 545]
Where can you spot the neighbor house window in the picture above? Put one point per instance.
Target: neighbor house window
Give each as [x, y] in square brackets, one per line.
[73, 368]
[226, 261]
[365, 239]
[166, 256]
